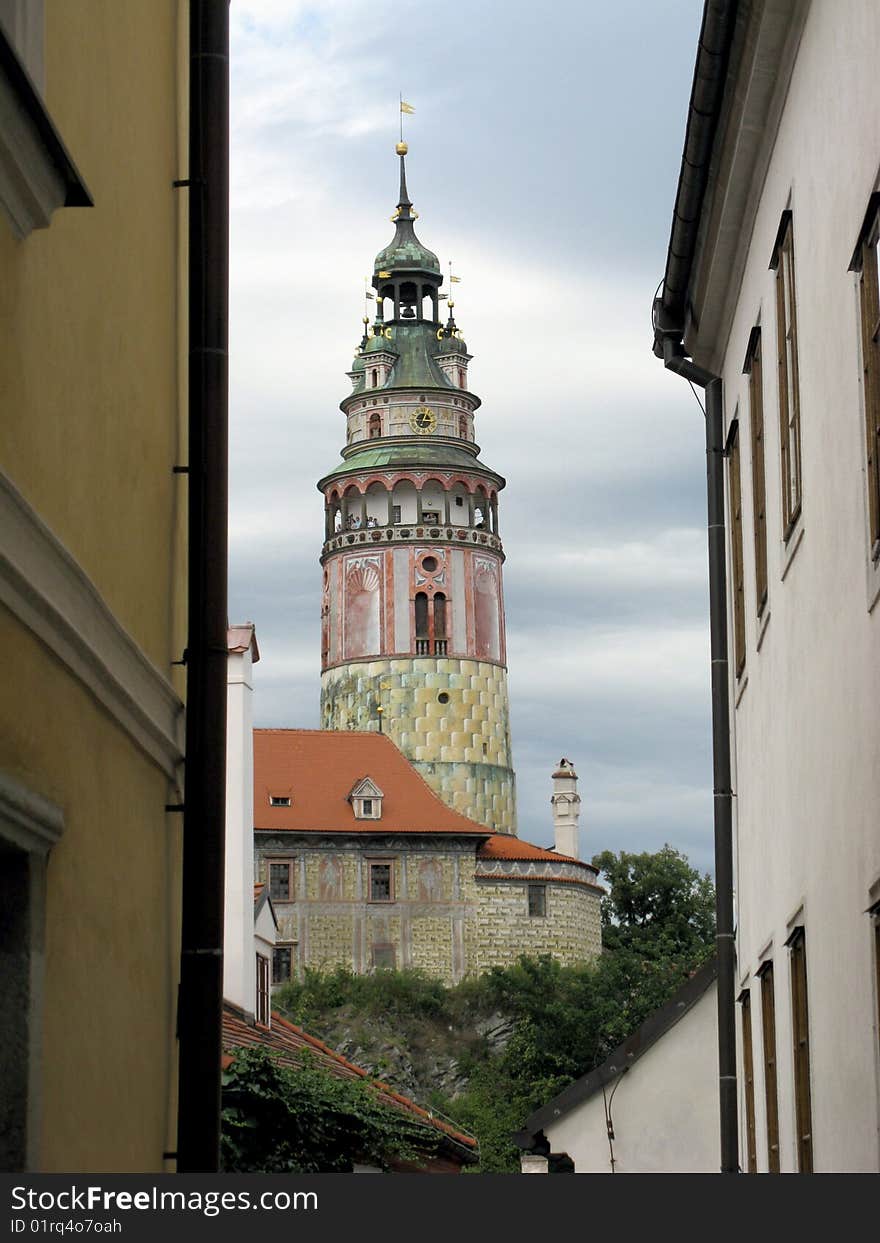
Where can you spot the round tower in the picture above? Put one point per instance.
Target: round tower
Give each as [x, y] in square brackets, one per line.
[412, 633]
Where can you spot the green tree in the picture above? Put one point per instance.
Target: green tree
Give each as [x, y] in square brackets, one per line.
[658, 907]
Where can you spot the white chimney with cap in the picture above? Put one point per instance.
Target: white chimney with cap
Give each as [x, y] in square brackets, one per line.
[566, 804]
[239, 961]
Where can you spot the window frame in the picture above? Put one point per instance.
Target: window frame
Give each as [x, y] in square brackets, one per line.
[291, 878]
[377, 863]
[866, 265]
[782, 262]
[770, 1063]
[800, 1037]
[282, 947]
[535, 891]
[737, 559]
[753, 367]
[263, 1011]
[745, 1000]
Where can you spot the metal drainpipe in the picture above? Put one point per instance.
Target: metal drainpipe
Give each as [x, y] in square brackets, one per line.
[674, 360]
[201, 969]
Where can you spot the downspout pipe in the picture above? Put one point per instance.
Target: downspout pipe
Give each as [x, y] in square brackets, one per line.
[204, 817]
[674, 360]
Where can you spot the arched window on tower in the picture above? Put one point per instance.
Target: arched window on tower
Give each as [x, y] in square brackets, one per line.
[374, 377]
[375, 425]
[462, 426]
[439, 624]
[462, 378]
[423, 640]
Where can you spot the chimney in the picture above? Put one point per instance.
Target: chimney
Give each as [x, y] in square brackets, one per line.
[566, 803]
[239, 962]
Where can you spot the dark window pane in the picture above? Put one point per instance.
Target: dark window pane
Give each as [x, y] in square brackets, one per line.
[537, 900]
[380, 882]
[279, 882]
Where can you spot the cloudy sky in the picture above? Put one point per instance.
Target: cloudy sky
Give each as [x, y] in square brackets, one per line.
[544, 156]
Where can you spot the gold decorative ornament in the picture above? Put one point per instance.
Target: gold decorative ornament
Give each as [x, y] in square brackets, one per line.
[423, 420]
[387, 334]
[439, 334]
[401, 147]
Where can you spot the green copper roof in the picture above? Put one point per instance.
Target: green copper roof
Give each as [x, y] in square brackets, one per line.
[417, 349]
[421, 454]
[406, 252]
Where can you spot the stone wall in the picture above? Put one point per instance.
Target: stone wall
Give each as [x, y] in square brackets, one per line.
[570, 930]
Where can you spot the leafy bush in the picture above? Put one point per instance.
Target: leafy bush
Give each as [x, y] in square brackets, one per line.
[279, 1120]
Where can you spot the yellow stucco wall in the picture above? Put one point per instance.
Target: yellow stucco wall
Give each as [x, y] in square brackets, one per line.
[89, 314]
[112, 919]
[92, 389]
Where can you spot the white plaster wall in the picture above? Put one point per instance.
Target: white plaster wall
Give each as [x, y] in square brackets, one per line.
[239, 969]
[665, 1109]
[807, 725]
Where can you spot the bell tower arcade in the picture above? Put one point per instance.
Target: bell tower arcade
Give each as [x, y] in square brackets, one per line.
[412, 611]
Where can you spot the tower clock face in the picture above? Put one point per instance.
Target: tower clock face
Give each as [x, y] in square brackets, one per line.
[423, 420]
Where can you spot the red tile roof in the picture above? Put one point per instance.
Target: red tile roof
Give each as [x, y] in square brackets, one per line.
[319, 768]
[505, 846]
[258, 889]
[240, 638]
[290, 1042]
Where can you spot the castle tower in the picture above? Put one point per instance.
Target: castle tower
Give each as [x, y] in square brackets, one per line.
[412, 634]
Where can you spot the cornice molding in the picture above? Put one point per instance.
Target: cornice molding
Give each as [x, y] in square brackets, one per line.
[45, 588]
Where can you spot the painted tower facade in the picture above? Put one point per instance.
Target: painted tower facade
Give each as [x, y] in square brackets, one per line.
[412, 633]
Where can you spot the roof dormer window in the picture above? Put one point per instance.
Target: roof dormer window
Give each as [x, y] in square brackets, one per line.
[279, 800]
[366, 800]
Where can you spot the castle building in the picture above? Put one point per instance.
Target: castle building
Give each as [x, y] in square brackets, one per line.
[412, 607]
[368, 868]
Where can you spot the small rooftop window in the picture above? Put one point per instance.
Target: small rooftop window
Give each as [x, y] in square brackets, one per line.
[366, 800]
[279, 800]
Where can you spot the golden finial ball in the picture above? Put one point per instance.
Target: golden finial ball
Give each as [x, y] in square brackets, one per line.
[401, 148]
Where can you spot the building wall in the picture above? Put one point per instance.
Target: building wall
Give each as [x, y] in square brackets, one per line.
[806, 725]
[461, 747]
[89, 373]
[442, 920]
[664, 1109]
[570, 931]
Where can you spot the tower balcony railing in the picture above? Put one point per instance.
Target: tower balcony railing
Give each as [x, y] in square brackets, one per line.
[409, 532]
[423, 647]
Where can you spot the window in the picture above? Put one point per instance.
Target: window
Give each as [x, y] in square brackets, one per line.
[754, 370]
[749, 1079]
[801, 1041]
[865, 263]
[789, 399]
[768, 1024]
[431, 515]
[462, 431]
[459, 501]
[279, 800]
[380, 877]
[29, 827]
[367, 807]
[383, 957]
[736, 543]
[537, 900]
[395, 513]
[280, 880]
[262, 1015]
[375, 426]
[282, 963]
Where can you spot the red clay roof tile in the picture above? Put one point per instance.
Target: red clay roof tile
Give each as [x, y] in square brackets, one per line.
[321, 767]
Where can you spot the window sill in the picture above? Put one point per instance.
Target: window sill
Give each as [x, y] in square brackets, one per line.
[37, 175]
[741, 690]
[873, 584]
[790, 549]
[763, 623]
